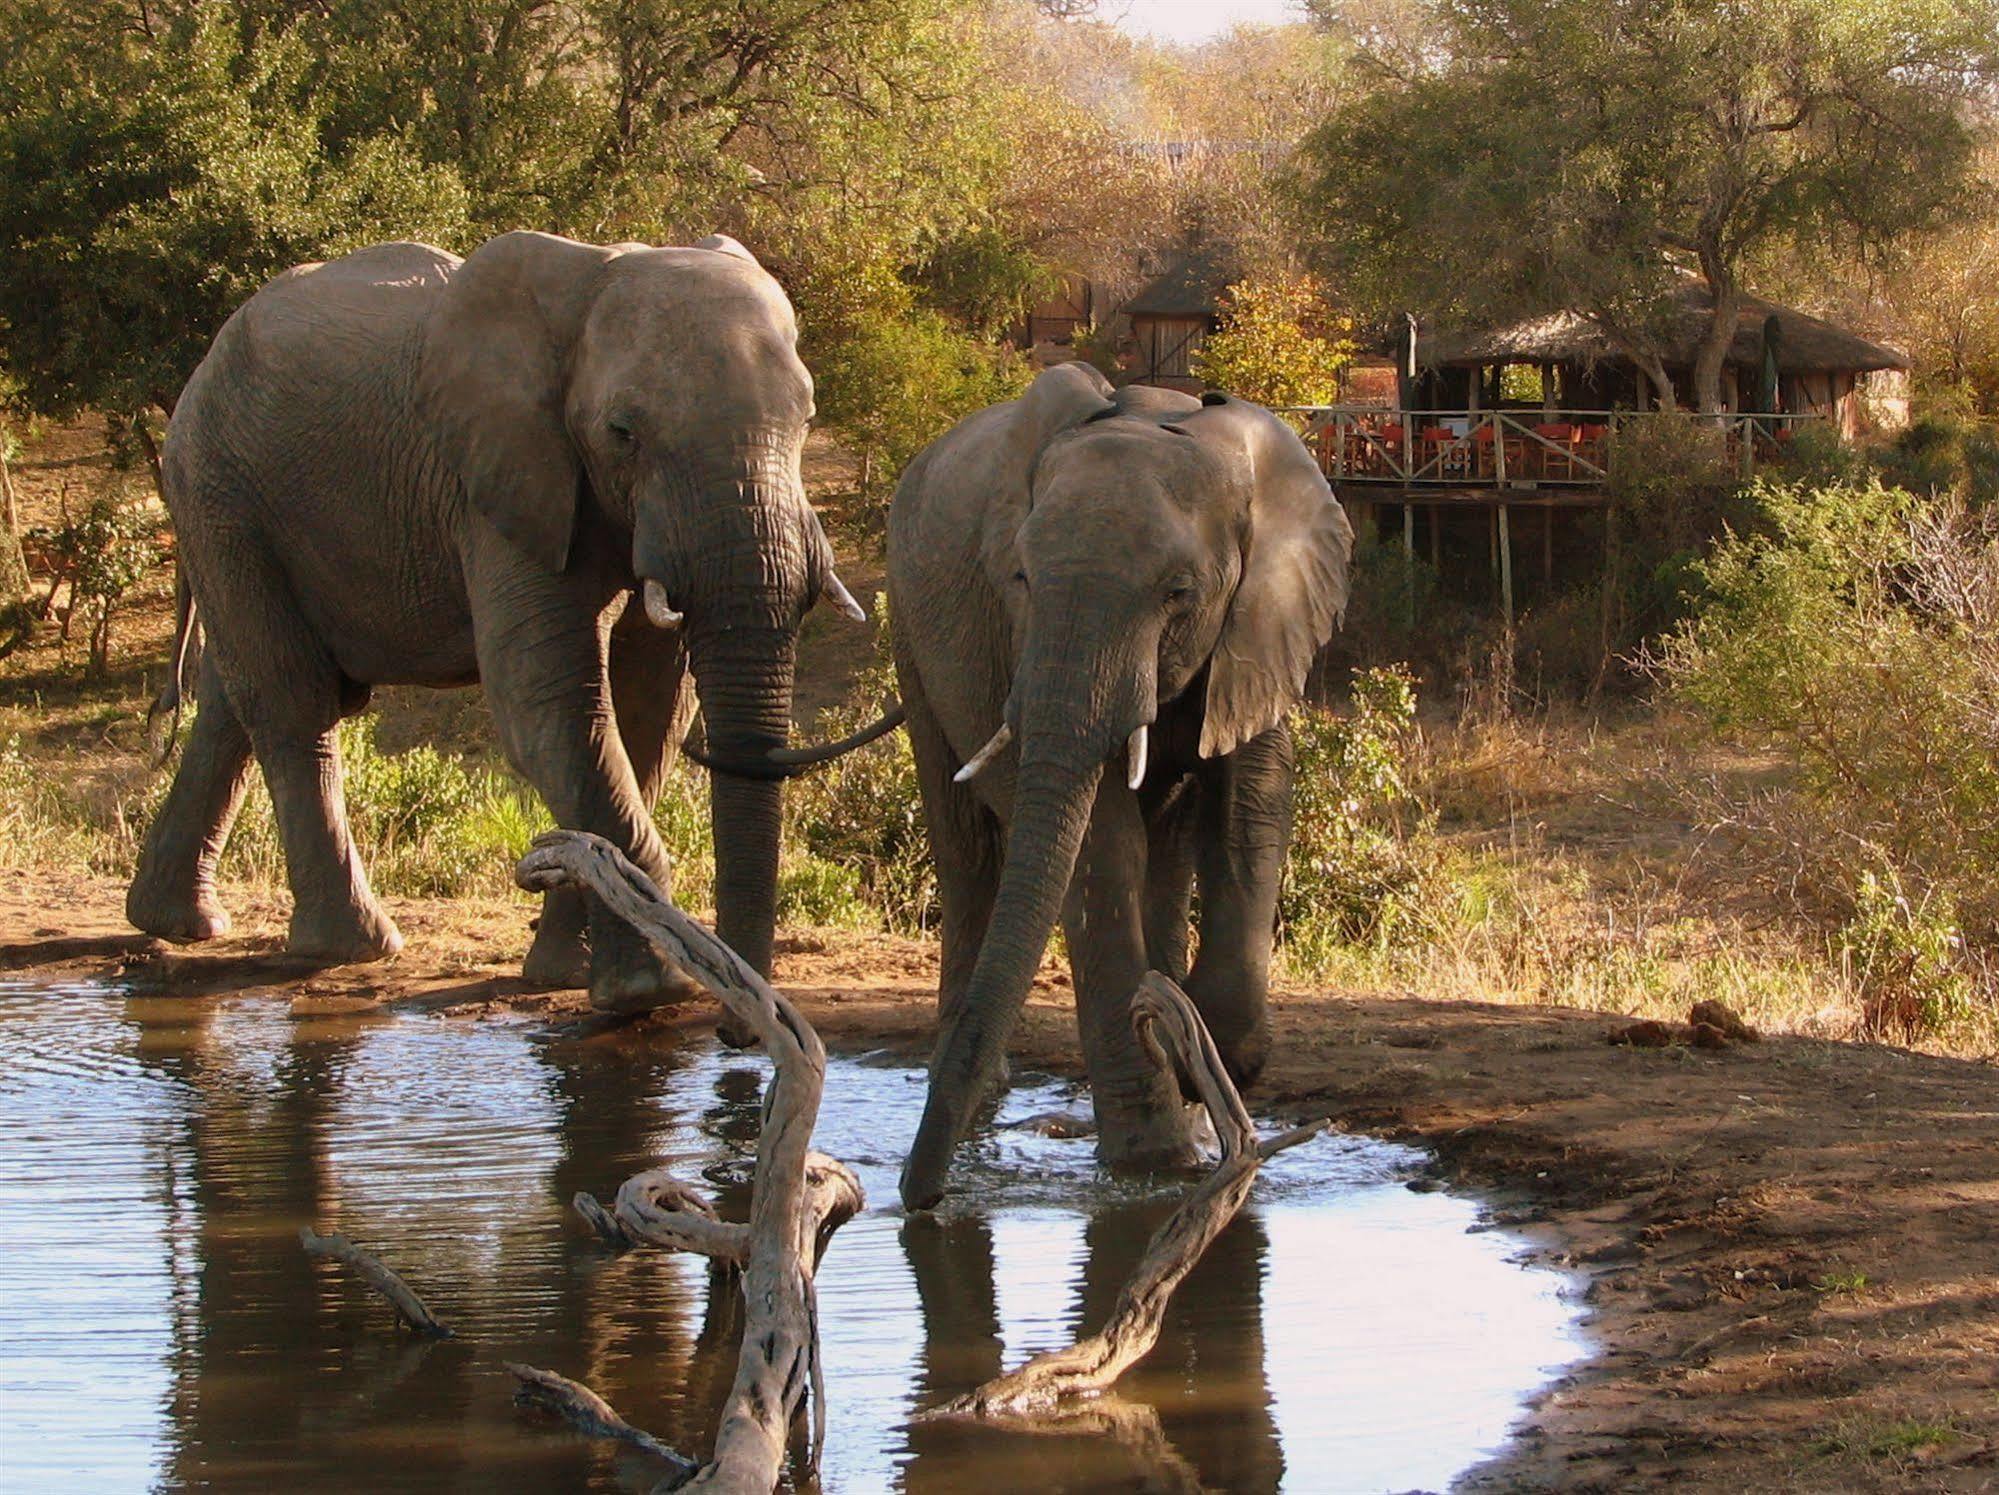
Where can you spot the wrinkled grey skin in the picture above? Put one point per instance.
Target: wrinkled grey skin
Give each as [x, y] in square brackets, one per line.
[401, 468]
[1077, 564]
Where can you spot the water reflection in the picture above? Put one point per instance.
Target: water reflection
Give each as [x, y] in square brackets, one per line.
[159, 1325]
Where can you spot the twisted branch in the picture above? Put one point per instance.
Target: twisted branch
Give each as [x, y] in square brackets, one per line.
[371, 1270]
[780, 1350]
[1164, 1020]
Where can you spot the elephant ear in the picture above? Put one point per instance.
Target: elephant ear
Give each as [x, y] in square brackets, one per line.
[491, 383]
[1293, 591]
[1060, 399]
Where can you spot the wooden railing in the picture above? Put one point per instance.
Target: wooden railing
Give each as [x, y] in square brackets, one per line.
[1503, 448]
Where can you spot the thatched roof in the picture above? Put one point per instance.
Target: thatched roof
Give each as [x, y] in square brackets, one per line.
[1190, 286]
[1805, 344]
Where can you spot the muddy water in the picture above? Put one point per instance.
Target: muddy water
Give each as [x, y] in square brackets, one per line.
[161, 1328]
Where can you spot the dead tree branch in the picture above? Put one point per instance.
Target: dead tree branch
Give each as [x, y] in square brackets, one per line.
[1165, 1020]
[780, 1347]
[588, 1412]
[369, 1268]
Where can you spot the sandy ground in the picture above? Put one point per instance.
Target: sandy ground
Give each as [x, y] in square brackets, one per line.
[1792, 1246]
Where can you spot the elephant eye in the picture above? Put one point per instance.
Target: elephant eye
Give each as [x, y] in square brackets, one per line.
[621, 429]
[1020, 577]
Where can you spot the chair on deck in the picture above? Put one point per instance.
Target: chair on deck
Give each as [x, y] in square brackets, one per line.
[1556, 448]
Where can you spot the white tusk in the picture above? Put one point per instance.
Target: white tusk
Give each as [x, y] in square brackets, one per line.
[984, 755]
[1134, 750]
[837, 594]
[658, 609]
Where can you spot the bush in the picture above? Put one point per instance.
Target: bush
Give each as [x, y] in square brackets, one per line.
[1365, 867]
[1278, 344]
[861, 816]
[1857, 633]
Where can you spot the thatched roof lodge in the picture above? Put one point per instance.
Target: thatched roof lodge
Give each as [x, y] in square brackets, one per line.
[1819, 369]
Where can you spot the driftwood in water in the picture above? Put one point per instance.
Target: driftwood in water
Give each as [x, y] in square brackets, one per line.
[588, 1412]
[655, 1208]
[780, 1348]
[370, 1269]
[1164, 1019]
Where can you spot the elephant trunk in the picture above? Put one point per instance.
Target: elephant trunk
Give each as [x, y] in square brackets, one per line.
[1079, 702]
[738, 561]
[744, 677]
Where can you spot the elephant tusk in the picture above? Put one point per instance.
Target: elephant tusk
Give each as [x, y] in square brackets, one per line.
[984, 755]
[658, 609]
[837, 594]
[1134, 751]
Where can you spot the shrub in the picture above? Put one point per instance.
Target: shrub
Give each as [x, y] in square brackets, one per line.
[1857, 633]
[862, 814]
[1365, 867]
[1278, 343]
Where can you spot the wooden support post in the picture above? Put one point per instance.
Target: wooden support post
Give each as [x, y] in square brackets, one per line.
[1548, 547]
[1409, 530]
[1436, 537]
[1505, 569]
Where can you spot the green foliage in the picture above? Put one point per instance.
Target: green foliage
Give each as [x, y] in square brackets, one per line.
[101, 555]
[854, 829]
[1854, 631]
[1364, 867]
[1279, 344]
[1945, 457]
[1674, 489]
[891, 375]
[1904, 960]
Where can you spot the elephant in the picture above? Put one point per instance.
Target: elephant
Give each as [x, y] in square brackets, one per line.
[1103, 605]
[400, 467]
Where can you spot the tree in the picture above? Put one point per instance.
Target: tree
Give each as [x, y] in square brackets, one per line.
[152, 176]
[1278, 344]
[1581, 155]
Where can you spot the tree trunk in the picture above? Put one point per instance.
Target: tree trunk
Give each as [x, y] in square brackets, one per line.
[1715, 342]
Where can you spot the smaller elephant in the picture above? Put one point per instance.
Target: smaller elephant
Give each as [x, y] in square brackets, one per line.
[1104, 605]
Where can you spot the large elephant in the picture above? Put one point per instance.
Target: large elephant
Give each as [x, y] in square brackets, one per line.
[1104, 604]
[401, 467]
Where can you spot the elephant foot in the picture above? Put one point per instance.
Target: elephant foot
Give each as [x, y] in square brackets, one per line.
[1155, 1140]
[557, 965]
[343, 936]
[188, 917]
[633, 986]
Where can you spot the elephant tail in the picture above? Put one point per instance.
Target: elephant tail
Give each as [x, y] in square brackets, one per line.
[789, 763]
[187, 650]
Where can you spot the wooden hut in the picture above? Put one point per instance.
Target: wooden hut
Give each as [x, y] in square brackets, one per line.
[1781, 362]
[1172, 315]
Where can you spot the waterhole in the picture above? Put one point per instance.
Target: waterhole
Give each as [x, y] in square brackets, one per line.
[160, 1327]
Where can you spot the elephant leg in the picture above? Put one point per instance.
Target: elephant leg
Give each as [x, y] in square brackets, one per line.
[542, 659]
[1140, 1120]
[1169, 880]
[288, 694]
[650, 699]
[1245, 830]
[173, 892]
[966, 846]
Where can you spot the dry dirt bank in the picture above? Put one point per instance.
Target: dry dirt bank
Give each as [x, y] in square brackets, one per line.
[1794, 1244]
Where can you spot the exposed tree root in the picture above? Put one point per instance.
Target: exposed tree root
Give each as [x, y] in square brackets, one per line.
[369, 1268]
[780, 1346]
[1165, 1020]
[588, 1412]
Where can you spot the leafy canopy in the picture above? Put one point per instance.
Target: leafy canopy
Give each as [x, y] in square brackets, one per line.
[1582, 154]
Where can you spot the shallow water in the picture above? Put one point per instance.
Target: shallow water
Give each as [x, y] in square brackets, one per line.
[161, 1328]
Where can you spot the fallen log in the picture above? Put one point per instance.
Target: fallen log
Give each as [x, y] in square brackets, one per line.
[371, 1270]
[779, 1360]
[1165, 1020]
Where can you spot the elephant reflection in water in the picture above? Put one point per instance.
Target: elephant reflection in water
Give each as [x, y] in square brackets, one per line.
[1154, 1432]
[284, 1374]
